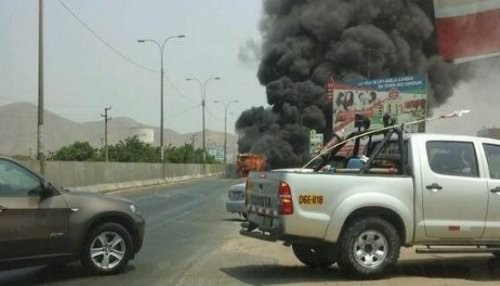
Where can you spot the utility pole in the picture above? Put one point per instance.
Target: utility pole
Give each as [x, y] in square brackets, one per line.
[40, 152]
[192, 145]
[226, 104]
[192, 140]
[106, 119]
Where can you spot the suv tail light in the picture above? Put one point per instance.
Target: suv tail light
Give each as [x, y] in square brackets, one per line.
[285, 199]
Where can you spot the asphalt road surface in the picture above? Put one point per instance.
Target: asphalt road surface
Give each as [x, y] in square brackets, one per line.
[191, 240]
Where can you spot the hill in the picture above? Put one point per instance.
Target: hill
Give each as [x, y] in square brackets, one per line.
[19, 121]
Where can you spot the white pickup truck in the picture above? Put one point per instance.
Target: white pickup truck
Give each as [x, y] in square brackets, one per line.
[438, 192]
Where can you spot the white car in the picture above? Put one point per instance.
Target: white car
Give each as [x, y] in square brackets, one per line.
[236, 200]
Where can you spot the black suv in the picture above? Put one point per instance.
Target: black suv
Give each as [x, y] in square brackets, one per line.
[42, 224]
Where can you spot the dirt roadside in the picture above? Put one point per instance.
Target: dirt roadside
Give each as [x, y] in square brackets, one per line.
[245, 261]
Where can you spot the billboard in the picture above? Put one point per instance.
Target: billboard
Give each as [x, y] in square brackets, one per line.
[404, 98]
[467, 29]
[315, 142]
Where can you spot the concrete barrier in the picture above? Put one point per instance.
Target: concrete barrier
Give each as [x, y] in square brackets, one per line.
[111, 176]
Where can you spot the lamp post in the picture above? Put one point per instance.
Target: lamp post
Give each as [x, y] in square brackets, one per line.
[226, 104]
[203, 88]
[161, 47]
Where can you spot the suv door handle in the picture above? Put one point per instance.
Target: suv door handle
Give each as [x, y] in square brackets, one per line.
[495, 190]
[434, 187]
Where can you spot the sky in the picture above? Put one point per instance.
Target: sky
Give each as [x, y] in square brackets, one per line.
[92, 59]
[480, 96]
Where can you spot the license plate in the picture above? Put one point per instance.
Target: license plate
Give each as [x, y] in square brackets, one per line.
[268, 221]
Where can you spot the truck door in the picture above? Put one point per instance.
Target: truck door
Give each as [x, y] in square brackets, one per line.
[455, 198]
[492, 153]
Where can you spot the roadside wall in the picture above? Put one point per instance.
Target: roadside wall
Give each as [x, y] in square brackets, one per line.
[102, 176]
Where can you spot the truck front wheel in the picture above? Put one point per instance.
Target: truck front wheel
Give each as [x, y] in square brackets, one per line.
[368, 248]
[314, 256]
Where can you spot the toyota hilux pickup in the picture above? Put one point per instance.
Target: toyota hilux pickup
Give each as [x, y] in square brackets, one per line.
[437, 192]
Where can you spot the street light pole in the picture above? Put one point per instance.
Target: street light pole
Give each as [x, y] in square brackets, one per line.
[203, 87]
[226, 104]
[161, 48]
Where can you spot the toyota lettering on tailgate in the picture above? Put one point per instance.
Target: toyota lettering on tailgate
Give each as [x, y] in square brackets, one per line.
[261, 201]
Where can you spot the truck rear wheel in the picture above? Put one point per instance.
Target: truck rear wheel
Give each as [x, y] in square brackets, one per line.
[368, 248]
[314, 256]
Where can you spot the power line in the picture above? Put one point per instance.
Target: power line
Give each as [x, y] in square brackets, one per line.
[118, 52]
[102, 40]
[50, 104]
[180, 92]
[71, 106]
[183, 111]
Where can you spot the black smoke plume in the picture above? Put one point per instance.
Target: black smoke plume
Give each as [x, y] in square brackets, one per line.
[305, 42]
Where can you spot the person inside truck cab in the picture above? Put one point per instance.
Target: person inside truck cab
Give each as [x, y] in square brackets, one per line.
[469, 166]
[456, 159]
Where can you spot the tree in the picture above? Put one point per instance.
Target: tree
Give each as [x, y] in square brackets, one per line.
[133, 150]
[22, 157]
[78, 151]
[186, 154]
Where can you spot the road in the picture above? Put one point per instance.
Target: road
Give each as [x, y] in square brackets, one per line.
[191, 240]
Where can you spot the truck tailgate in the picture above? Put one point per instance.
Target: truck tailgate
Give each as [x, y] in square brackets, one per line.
[262, 203]
[262, 193]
